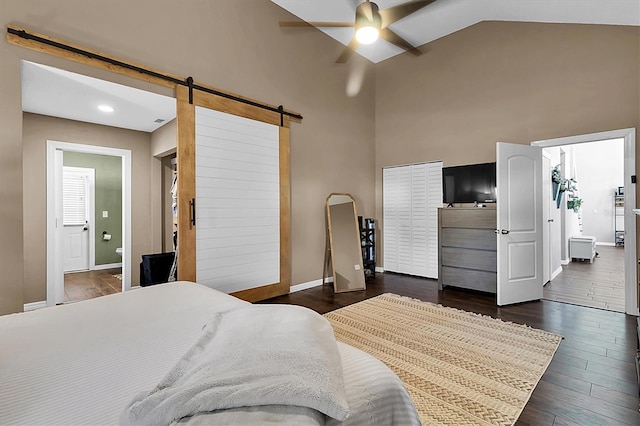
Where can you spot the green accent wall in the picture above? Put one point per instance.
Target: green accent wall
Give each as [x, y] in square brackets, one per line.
[108, 197]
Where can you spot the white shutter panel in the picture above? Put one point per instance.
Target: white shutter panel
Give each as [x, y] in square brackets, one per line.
[390, 220]
[419, 223]
[74, 198]
[404, 219]
[434, 200]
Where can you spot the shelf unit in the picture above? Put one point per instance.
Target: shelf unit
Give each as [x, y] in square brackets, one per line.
[368, 242]
[618, 208]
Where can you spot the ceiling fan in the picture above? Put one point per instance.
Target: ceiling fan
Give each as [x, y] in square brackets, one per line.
[371, 23]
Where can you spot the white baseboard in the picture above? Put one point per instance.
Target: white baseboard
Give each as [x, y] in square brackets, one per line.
[606, 244]
[379, 269]
[565, 261]
[556, 273]
[310, 284]
[304, 286]
[35, 305]
[107, 266]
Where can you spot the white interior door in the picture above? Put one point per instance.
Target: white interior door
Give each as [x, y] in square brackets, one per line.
[77, 187]
[519, 217]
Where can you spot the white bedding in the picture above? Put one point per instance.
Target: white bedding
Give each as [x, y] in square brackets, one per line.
[83, 363]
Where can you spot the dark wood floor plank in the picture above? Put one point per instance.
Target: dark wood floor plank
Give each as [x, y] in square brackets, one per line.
[604, 408]
[605, 380]
[571, 383]
[532, 416]
[571, 413]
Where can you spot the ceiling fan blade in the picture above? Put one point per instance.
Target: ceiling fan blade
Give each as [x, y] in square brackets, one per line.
[348, 51]
[394, 38]
[315, 24]
[396, 13]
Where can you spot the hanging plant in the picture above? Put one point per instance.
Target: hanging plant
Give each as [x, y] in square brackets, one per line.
[574, 204]
[555, 175]
[556, 182]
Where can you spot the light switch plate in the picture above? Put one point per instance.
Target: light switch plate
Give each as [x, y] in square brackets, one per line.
[105, 213]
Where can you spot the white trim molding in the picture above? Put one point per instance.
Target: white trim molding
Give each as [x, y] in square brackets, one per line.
[107, 266]
[55, 275]
[309, 284]
[35, 305]
[630, 258]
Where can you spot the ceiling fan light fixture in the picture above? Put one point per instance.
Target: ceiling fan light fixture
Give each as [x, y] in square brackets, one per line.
[105, 108]
[368, 22]
[367, 34]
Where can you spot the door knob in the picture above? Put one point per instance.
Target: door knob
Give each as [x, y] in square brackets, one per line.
[550, 220]
[504, 231]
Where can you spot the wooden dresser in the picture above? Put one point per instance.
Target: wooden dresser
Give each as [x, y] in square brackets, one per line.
[467, 248]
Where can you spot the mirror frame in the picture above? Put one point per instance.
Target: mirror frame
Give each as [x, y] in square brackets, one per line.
[341, 242]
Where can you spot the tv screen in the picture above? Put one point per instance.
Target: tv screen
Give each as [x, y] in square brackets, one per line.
[470, 183]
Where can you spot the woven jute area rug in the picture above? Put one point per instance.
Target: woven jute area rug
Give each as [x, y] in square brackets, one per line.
[459, 367]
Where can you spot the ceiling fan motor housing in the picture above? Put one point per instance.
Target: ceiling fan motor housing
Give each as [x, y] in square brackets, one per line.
[367, 14]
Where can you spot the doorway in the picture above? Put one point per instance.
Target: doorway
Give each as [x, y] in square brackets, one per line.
[577, 273]
[55, 213]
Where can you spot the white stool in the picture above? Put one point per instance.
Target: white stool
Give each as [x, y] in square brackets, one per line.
[582, 248]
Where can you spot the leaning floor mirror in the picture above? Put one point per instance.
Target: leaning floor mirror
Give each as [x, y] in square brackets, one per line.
[343, 244]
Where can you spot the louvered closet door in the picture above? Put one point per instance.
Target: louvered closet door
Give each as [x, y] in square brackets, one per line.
[411, 197]
[419, 222]
[389, 218]
[434, 200]
[397, 219]
[233, 197]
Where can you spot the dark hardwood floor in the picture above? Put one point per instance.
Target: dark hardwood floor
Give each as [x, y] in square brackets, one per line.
[87, 285]
[592, 378]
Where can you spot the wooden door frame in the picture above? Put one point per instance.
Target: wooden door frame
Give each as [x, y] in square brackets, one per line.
[186, 157]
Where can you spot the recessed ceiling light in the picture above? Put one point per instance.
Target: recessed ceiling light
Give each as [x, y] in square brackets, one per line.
[105, 108]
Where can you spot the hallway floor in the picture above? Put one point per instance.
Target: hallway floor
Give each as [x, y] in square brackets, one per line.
[598, 285]
[87, 285]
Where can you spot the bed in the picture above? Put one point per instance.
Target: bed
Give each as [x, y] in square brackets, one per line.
[84, 363]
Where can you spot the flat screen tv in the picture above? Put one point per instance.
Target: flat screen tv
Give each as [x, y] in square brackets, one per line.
[470, 183]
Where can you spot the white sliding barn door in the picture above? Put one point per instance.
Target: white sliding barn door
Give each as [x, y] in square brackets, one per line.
[411, 197]
[237, 202]
[234, 204]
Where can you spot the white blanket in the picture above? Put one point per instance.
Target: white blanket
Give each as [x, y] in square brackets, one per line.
[252, 356]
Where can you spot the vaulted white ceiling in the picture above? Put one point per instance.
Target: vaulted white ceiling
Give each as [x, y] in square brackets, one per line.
[444, 17]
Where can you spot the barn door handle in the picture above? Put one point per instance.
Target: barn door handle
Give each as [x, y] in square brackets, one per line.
[192, 212]
[504, 231]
